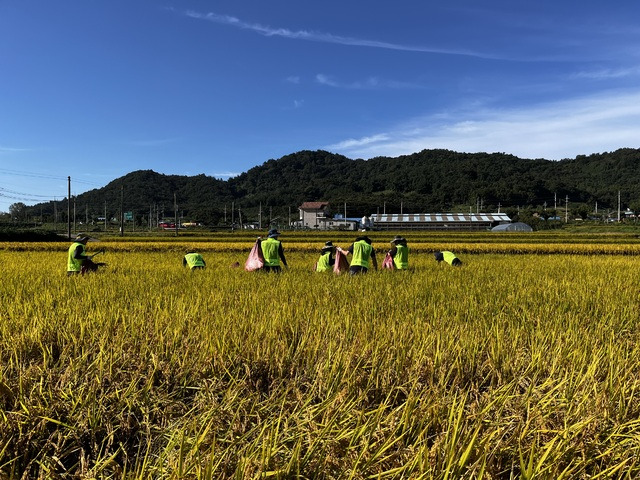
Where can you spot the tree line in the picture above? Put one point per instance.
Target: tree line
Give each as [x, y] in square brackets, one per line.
[426, 181]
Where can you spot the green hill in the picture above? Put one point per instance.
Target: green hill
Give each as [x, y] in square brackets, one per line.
[430, 180]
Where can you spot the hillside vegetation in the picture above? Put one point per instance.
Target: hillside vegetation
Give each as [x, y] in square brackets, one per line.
[431, 180]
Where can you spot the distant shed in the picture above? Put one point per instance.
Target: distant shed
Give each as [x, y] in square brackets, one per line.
[512, 227]
[438, 221]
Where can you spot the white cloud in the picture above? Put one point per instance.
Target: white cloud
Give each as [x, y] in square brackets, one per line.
[608, 73]
[353, 143]
[552, 131]
[154, 143]
[370, 83]
[293, 79]
[225, 175]
[327, 37]
[12, 150]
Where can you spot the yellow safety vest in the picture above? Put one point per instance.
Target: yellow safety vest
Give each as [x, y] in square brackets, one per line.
[270, 248]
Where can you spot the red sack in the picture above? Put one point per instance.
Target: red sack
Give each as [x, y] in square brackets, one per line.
[255, 260]
[388, 262]
[342, 264]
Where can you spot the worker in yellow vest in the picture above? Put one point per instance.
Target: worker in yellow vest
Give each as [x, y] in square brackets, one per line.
[76, 255]
[326, 261]
[448, 257]
[400, 253]
[273, 252]
[193, 260]
[363, 256]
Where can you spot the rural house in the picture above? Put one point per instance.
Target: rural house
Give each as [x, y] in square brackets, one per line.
[314, 214]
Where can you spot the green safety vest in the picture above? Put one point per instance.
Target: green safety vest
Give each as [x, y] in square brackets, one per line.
[270, 248]
[361, 254]
[401, 260]
[449, 257]
[194, 260]
[323, 263]
[73, 264]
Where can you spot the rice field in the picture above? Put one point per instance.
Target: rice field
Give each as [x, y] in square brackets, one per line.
[523, 363]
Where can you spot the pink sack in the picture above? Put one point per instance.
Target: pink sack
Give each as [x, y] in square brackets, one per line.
[255, 260]
[342, 264]
[388, 262]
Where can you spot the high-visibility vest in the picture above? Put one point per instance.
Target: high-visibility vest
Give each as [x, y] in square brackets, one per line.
[361, 254]
[194, 260]
[323, 263]
[401, 260]
[449, 257]
[73, 264]
[270, 248]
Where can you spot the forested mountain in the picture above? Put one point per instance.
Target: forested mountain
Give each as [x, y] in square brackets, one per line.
[428, 181]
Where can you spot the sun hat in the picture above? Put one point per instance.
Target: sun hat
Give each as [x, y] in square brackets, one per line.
[398, 239]
[365, 238]
[273, 233]
[81, 237]
[327, 247]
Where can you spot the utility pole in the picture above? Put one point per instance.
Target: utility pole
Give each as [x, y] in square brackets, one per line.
[69, 207]
[566, 209]
[401, 207]
[345, 215]
[86, 214]
[233, 206]
[618, 206]
[122, 210]
[175, 213]
[75, 230]
[289, 219]
[240, 217]
[105, 215]
[260, 217]
[555, 200]
[501, 205]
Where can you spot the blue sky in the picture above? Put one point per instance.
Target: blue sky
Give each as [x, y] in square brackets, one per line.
[95, 89]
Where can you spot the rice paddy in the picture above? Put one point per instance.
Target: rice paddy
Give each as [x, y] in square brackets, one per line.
[523, 363]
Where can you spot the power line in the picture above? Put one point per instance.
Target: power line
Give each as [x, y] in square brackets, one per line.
[23, 199]
[20, 173]
[25, 194]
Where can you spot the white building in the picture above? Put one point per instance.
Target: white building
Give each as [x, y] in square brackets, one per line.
[314, 214]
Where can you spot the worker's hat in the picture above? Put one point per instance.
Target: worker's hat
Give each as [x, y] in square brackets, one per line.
[398, 239]
[328, 247]
[81, 237]
[273, 233]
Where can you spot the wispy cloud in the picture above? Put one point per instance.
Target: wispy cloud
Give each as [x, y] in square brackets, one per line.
[154, 143]
[370, 83]
[293, 79]
[225, 175]
[12, 150]
[608, 73]
[552, 131]
[323, 37]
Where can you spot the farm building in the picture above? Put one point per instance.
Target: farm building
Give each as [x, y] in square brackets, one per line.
[314, 214]
[438, 221]
[512, 227]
